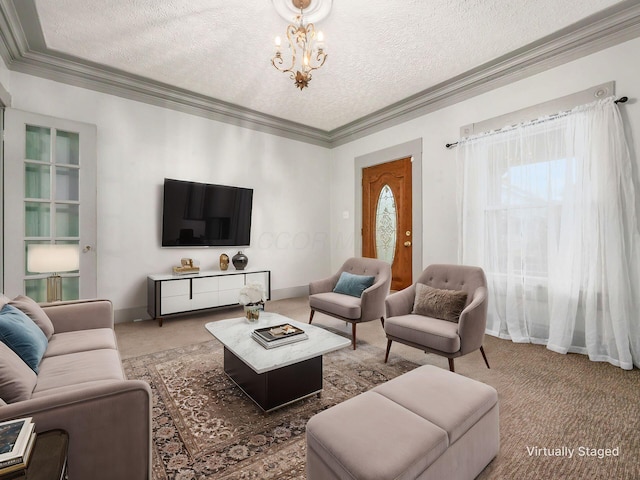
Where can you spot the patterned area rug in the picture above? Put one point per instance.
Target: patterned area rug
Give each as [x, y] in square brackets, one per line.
[204, 426]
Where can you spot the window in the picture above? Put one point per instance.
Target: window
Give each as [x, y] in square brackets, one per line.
[548, 211]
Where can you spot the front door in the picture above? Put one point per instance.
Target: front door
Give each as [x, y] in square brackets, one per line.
[50, 198]
[386, 223]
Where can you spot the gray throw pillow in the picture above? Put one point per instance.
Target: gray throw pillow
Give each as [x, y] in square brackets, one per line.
[35, 313]
[437, 303]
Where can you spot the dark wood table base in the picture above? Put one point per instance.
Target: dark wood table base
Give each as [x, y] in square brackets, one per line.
[279, 387]
[48, 460]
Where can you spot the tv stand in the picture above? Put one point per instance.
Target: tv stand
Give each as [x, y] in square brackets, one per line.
[169, 295]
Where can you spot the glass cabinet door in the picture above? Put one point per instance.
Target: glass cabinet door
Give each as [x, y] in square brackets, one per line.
[52, 201]
[52, 198]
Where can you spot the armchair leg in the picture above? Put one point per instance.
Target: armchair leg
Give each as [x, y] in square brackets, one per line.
[386, 357]
[353, 333]
[382, 320]
[451, 365]
[484, 356]
[311, 316]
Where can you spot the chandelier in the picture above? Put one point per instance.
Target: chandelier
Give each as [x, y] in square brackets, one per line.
[306, 46]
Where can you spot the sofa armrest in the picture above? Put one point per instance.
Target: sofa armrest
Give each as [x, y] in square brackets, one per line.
[109, 427]
[401, 303]
[473, 322]
[325, 285]
[80, 315]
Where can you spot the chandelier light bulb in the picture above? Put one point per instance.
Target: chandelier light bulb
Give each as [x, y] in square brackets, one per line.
[320, 42]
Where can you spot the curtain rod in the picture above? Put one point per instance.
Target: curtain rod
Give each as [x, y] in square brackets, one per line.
[619, 100]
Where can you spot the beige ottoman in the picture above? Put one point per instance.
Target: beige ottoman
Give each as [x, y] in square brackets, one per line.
[428, 424]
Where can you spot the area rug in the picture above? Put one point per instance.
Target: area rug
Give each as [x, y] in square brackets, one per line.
[204, 427]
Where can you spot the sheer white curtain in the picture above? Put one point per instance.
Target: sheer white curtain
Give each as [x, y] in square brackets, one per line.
[548, 210]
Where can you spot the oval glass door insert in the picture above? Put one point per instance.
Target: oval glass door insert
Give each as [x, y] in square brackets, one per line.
[386, 225]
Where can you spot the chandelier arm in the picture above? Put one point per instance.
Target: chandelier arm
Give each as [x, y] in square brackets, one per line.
[277, 61]
[320, 55]
[321, 58]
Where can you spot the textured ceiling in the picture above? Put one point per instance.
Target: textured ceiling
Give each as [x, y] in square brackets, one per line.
[379, 51]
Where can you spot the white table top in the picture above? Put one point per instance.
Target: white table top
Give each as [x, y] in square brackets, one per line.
[235, 334]
[203, 273]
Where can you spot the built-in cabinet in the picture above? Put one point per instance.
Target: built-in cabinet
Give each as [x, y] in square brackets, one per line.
[175, 294]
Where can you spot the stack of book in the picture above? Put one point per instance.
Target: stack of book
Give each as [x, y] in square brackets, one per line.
[17, 438]
[271, 337]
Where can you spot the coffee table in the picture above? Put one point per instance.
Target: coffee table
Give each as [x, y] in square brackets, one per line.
[275, 377]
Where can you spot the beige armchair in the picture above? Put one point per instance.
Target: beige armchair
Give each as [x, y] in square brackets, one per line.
[353, 309]
[434, 335]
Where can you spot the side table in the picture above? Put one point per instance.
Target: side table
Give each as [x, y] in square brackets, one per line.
[48, 459]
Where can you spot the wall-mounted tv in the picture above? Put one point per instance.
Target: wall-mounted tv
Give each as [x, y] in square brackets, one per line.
[205, 215]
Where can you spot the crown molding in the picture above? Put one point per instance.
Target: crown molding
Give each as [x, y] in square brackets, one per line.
[597, 32]
[23, 49]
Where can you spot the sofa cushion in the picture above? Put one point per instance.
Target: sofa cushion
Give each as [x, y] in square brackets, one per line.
[438, 303]
[446, 399]
[81, 341]
[381, 440]
[17, 380]
[77, 368]
[345, 306]
[35, 313]
[436, 334]
[354, 285]
[22, 335]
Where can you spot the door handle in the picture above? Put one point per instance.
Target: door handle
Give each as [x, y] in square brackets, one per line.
[407, 243]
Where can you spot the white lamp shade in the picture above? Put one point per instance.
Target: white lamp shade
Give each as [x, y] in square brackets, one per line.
[49, 258]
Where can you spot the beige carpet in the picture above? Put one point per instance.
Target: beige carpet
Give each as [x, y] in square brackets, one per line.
[205, 428]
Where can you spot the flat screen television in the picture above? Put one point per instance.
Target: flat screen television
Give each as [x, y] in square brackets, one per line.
[205, 215]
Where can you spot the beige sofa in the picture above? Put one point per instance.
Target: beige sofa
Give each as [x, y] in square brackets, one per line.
[81, 388]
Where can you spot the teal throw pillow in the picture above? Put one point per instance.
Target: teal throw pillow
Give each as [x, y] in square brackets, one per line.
[354, 285]
[22, 335]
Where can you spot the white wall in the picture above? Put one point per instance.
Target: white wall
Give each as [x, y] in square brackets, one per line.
[139, 145]
[440, 236]
[301, 191]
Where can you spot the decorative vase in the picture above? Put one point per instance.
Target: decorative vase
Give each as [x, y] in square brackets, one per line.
[252, 313]
[240, 261]
[224, 261]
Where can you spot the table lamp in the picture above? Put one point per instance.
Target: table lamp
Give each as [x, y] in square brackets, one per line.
[50, 258]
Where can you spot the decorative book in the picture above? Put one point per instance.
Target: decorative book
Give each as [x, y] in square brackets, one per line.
[271, 337]
[17, 438]
[185, 270]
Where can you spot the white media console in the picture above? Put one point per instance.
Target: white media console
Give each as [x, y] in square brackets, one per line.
[174, 294]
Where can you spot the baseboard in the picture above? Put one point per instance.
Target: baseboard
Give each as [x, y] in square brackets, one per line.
[135, 314]
[130, 314]
[291, 292]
